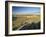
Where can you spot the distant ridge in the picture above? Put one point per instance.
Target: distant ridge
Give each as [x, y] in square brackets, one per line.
[26, 14]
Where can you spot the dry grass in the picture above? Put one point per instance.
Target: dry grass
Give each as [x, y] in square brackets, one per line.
[26, 18]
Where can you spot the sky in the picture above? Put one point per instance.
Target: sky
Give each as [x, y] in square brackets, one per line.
[25, 10]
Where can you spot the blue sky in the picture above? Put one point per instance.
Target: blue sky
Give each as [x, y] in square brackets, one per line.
[25, 10]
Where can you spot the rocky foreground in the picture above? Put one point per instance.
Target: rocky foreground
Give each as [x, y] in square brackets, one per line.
[26, 22]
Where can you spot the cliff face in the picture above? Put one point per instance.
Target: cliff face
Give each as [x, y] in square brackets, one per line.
[31, 26]
[21, 20]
